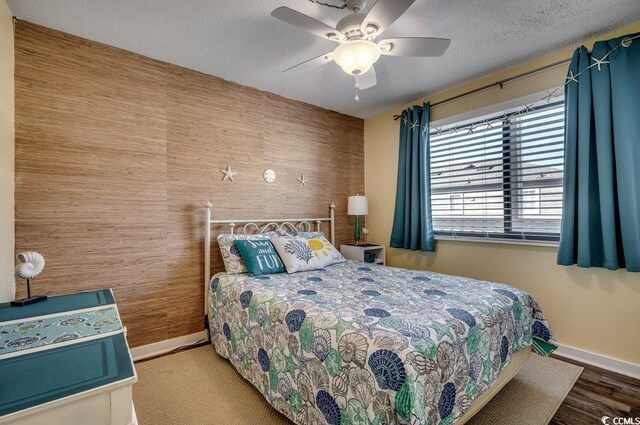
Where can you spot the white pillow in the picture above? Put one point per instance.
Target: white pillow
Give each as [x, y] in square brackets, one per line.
[306, 235]
[326, 253]
[296, 254]
[233, 262]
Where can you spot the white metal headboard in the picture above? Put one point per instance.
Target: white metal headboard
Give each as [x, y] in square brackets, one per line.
[258, 226]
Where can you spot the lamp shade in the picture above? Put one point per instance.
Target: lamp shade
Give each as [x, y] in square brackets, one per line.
[358, 205]
[357, 56]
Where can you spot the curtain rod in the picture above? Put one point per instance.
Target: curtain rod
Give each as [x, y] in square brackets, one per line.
[499, 83]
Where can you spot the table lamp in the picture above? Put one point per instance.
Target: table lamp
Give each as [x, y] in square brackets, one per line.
[357, 206]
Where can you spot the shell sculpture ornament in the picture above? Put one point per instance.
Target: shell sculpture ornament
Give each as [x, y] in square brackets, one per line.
[31, 265]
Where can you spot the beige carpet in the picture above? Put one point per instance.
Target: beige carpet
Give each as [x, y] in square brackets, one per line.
[199, 387]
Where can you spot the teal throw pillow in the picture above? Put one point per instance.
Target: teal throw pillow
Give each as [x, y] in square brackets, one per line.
[260, 257]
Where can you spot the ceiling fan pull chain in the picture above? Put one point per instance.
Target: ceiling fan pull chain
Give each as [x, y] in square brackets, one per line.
[335, 6]
[357, 98]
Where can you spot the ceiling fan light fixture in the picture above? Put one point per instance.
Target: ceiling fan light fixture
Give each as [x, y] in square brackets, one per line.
[356, 57]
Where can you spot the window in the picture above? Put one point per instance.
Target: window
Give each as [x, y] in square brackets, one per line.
[500, 176]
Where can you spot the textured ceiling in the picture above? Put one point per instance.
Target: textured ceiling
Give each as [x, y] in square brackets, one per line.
[239, 41]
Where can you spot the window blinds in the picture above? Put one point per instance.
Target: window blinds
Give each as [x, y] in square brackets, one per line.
[500, 176]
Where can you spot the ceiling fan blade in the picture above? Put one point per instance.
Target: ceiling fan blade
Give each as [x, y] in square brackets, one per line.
[414, 46]
[367, 80]
[307, 23]
[384, 13]
[320, 60]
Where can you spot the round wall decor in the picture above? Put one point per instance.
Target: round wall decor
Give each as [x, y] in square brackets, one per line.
[269, 175]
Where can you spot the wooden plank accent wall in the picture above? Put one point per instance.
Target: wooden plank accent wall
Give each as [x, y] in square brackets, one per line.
[116, 154]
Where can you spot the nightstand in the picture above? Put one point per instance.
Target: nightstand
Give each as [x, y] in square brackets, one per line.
[66, 361]
[368, 253]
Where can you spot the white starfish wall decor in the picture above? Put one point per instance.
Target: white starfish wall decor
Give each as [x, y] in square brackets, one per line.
[303, 181]
[228, 174]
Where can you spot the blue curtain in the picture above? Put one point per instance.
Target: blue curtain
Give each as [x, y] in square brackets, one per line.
[412, 225]
[601, 207]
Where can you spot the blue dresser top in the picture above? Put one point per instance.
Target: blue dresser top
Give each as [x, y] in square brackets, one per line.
[63, 346]
[57, 304]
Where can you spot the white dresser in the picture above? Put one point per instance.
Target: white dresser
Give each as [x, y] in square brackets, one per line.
[65, 361]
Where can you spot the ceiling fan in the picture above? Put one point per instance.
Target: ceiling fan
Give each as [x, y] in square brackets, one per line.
[356, 33]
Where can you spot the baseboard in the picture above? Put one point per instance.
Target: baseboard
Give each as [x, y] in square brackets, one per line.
[162, 347]
[598, 360]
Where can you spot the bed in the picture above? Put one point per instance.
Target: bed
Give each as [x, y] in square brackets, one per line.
[368, 344]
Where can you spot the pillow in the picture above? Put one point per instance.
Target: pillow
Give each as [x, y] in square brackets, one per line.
[326, 253]
[233, 263]
[260, 257]
[296, 254]
[306, 235]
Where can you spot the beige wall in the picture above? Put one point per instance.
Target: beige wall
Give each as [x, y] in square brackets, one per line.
[590, 309]
[7, 286]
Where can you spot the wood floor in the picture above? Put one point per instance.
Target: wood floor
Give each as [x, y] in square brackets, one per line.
[599, 393]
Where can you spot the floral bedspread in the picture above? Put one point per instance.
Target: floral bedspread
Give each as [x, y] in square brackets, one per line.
[353, 344]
